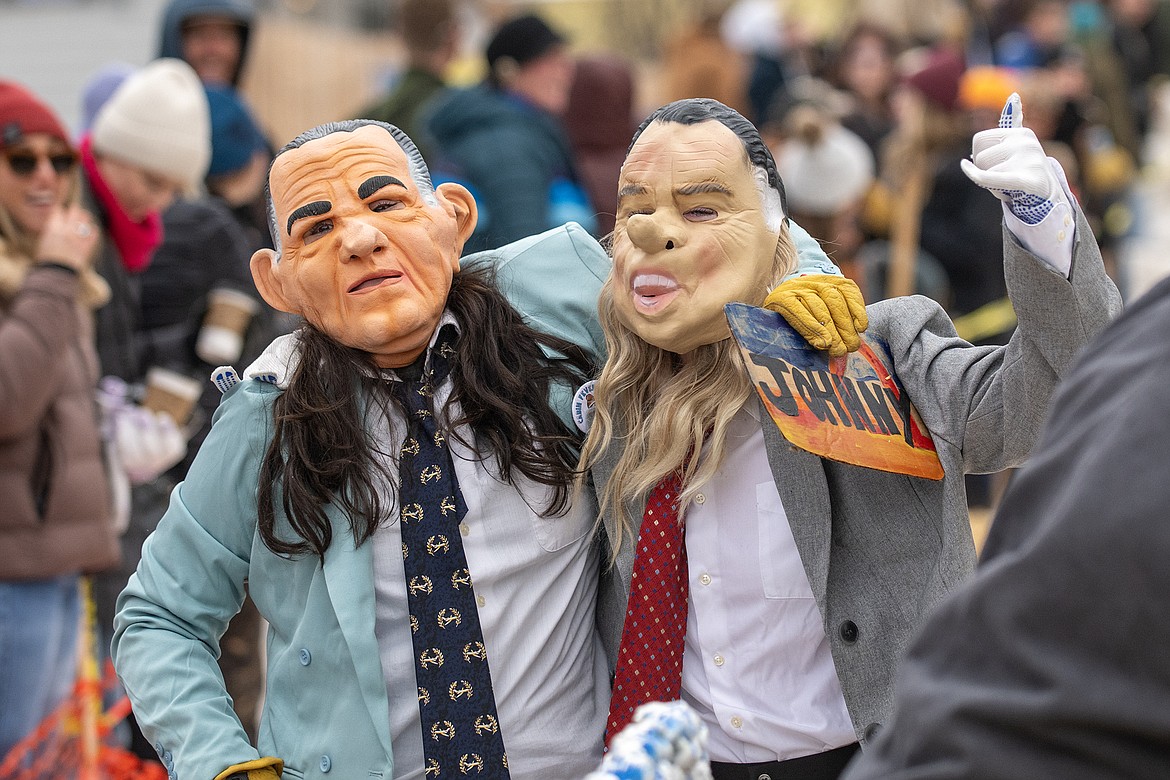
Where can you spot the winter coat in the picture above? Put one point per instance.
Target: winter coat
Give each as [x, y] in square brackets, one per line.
[57, 517]
[515, 159]
[115, 324]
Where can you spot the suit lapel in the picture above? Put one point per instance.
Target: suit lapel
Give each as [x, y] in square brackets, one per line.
[804, 491]
[602, 471]
[614, 591]
[349, 578]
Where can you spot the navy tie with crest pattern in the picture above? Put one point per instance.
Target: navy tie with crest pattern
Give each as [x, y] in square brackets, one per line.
[460, 726]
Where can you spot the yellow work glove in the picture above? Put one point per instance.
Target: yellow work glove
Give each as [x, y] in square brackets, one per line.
[827, 310]
[267, 768]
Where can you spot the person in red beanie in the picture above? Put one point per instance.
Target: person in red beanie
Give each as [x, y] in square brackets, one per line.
[58, 518]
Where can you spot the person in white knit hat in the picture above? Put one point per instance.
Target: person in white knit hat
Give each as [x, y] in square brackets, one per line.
[149, 142]
[159, 123]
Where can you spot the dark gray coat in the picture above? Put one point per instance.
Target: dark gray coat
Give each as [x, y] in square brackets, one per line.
[1052, 662]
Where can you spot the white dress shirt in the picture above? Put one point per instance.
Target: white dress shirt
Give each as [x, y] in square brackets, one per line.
[535, 582]
[756, 663]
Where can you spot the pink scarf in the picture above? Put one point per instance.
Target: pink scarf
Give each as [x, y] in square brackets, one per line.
[135, 241]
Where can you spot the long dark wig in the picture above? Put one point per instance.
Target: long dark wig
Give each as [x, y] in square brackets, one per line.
[323, 450]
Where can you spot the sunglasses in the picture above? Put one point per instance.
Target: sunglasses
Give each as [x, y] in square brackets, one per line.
[24, 163]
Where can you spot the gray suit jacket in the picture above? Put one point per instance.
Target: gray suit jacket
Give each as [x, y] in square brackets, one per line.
[880, 549]
[1052, 661]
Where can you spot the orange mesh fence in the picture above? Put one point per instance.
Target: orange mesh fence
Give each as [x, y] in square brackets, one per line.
[75, 741]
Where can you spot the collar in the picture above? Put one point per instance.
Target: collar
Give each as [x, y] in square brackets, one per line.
[447, 320]
[280, 359]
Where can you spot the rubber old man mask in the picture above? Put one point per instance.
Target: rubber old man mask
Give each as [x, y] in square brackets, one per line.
[692, 235]
[367, 257]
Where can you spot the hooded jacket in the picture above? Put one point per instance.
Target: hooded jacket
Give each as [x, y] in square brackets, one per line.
[179, 11]
[515, 158]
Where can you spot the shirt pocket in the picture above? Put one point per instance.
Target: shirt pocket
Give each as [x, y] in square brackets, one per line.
[557, 533]
[781, 570]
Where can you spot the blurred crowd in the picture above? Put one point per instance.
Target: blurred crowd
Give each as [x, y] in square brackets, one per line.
[125, 244]
[869, 123]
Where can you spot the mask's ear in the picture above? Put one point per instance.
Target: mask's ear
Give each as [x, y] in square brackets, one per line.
[268, 281]
[459, 201]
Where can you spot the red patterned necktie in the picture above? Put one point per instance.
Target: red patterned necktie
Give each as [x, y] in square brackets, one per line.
[649, 666]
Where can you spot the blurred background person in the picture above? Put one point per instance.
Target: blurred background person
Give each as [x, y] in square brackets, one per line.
[864, 66]
[755, 29]
[600, 122]
[214, 37]
[58, 520]
[240, 155]
[201, 264]
[150, 141]
[1036, 35]
[504, 138]
[826, 169]
[697, 61]
[936, 207]
[1141, 38]
[209, 35]
[431, 33]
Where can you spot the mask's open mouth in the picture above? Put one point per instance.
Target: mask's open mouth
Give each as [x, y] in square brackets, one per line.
[652, 292]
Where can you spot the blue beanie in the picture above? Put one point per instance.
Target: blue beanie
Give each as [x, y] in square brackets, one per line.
[100, 87]
[235, 137]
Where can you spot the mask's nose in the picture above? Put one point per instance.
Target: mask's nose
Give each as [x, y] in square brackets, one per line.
[653, 234]
[360, 240]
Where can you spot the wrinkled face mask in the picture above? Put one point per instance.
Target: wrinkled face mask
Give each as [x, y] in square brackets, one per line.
[366, 258]
[691, 235]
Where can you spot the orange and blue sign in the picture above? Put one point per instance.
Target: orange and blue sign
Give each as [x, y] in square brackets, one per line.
[851, 409]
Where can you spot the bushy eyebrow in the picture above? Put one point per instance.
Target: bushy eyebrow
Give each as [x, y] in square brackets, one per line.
[700, 188]
[630, 190]
[314, 209]
[375, 183]
[703, 188]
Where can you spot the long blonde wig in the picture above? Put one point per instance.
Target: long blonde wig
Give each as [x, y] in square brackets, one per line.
[659, 407]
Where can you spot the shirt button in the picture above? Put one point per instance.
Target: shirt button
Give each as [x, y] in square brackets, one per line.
[464, 529]
[326, 764]
[305, 656]
[764, 776]
[718, 659]
[705, 579]
[1060, 236]
[1067, 221]
[699, 499]
[480, 600]
[736, 722]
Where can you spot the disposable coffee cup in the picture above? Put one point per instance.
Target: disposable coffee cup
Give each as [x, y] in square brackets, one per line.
[171, 392]
[221, 337]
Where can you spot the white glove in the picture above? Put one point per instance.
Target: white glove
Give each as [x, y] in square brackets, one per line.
[148, 442]
[145, 442]
[1010, 162]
